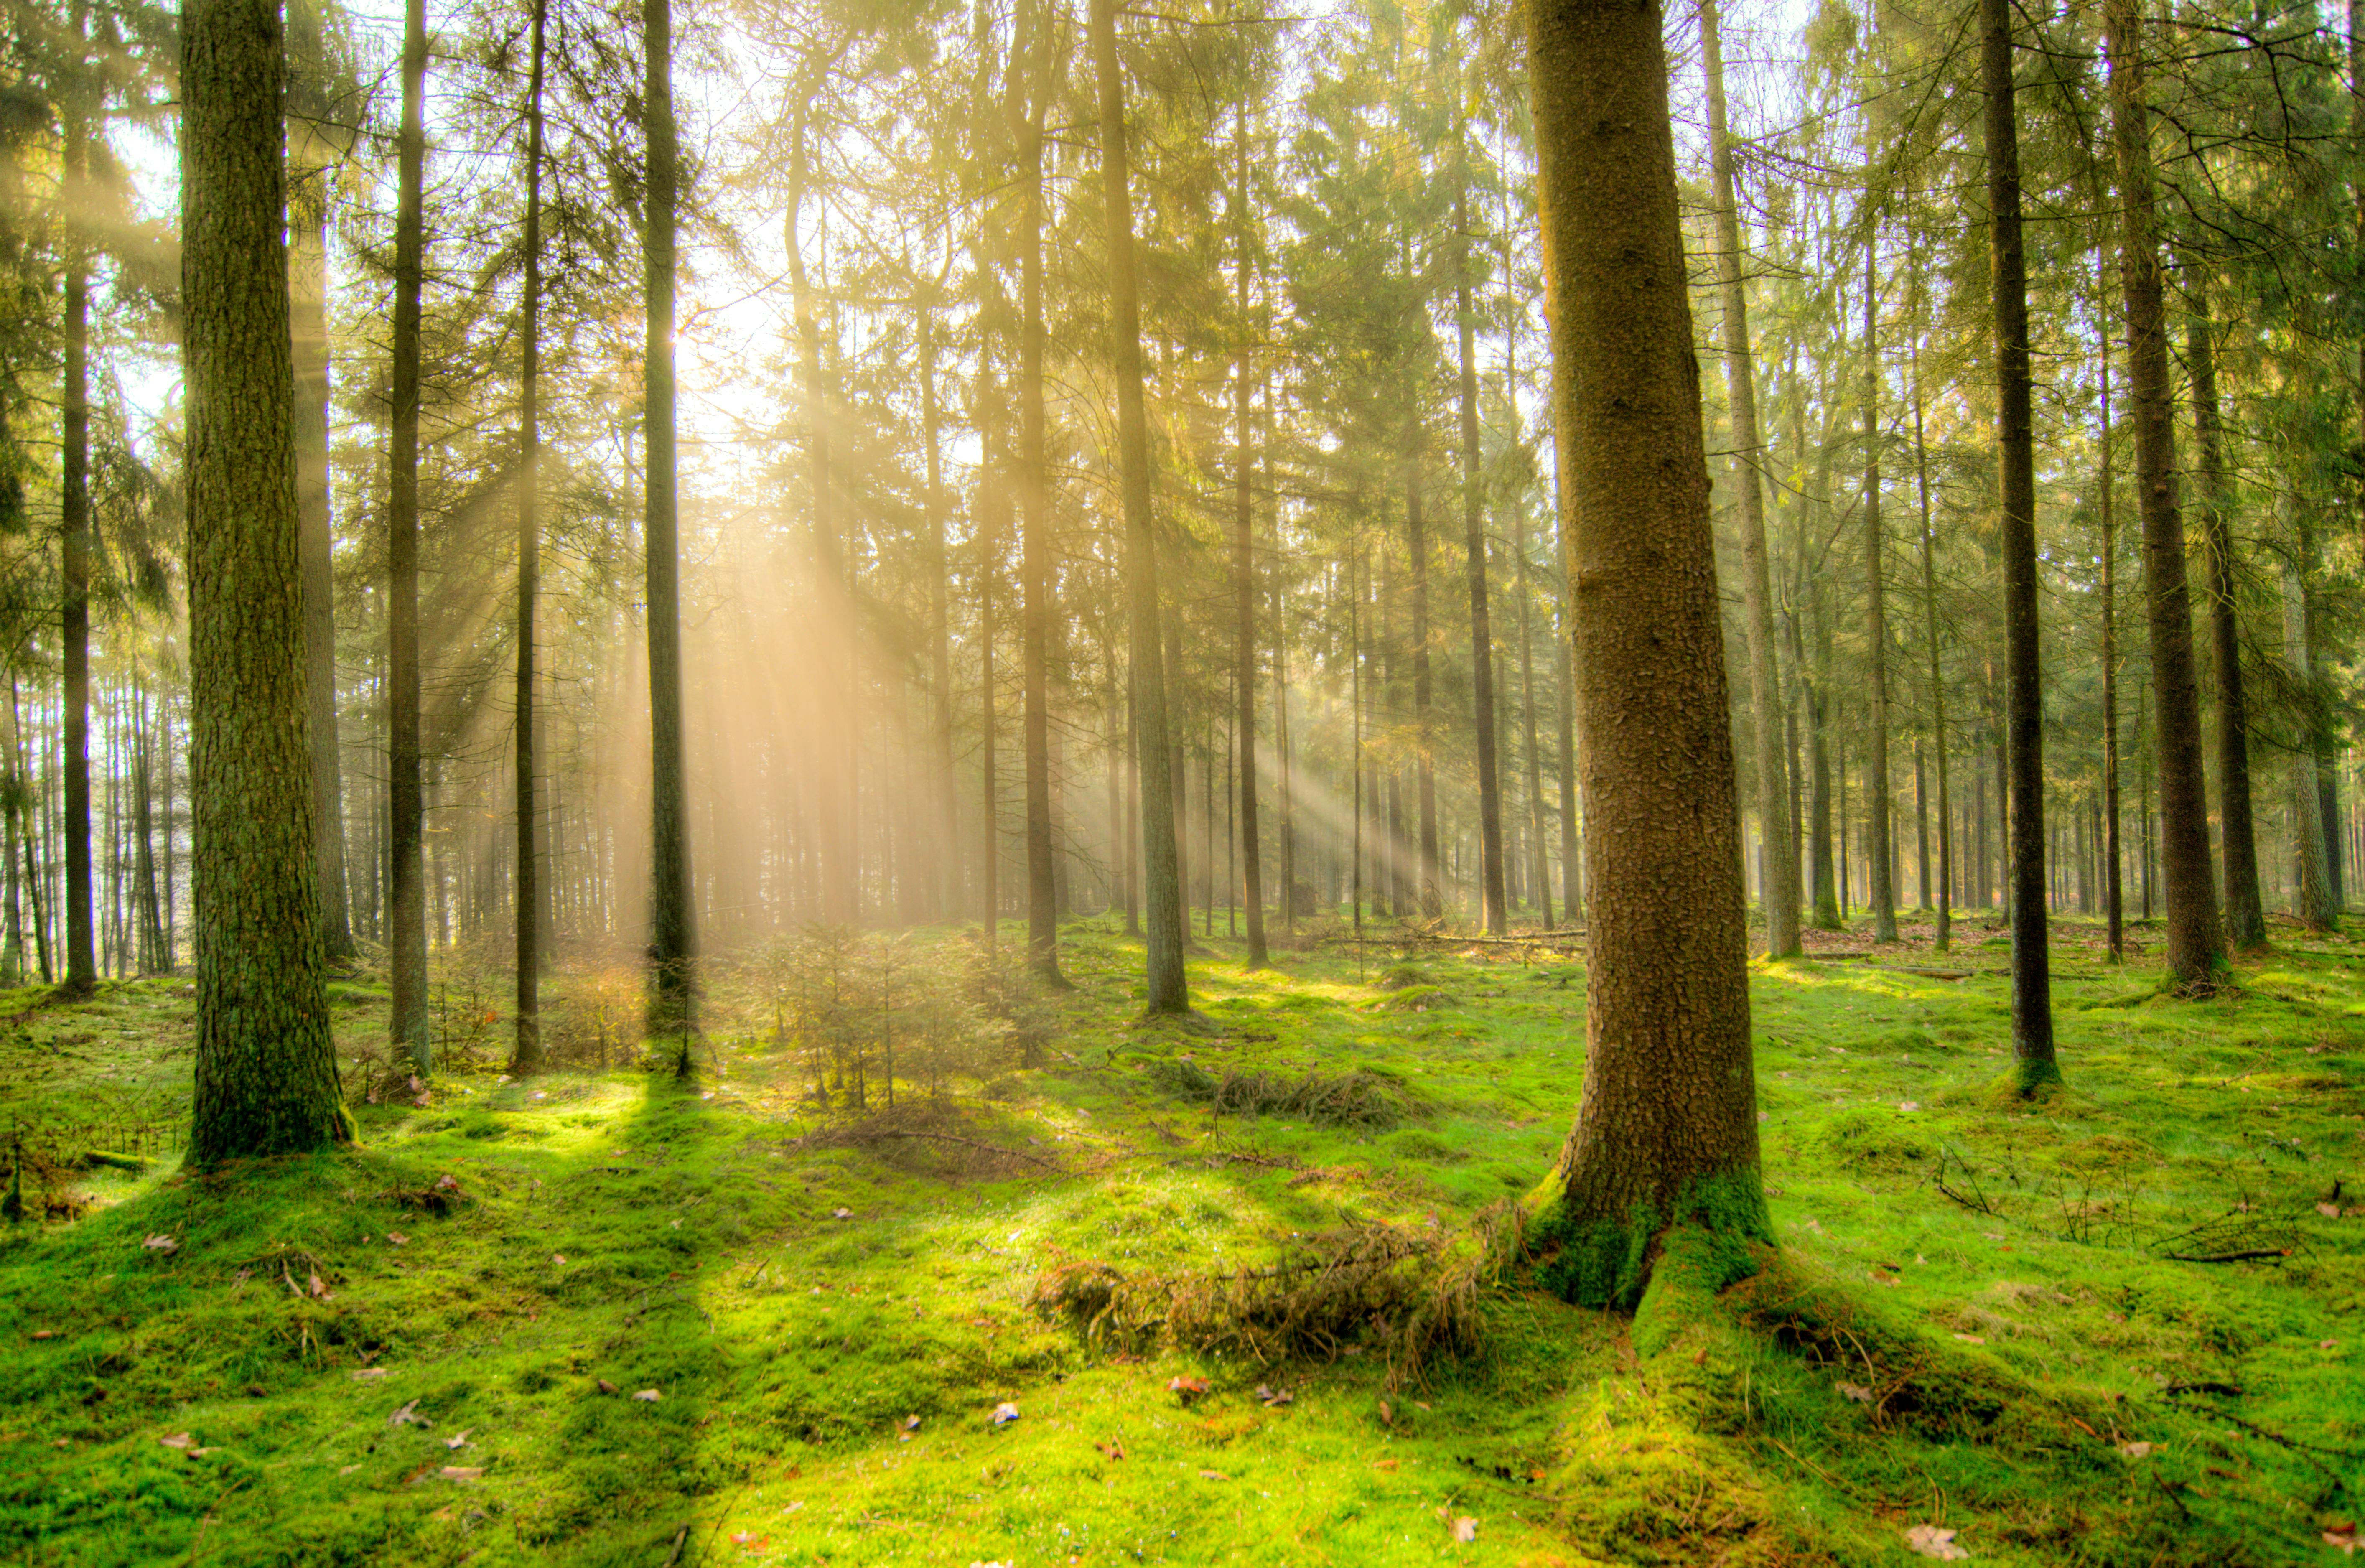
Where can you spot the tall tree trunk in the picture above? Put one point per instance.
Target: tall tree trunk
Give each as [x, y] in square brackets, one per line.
[1876, 801]
[1040, 55]
[993, 502]
[1572, 852]
[1942, 925]
[2245, 918]
[1778, 889]
[1816, 688]
[2312, 899]
[528, 1054]
[308, 235]
[944, 889]
[406, 869]
[1492, 907]
[1432, 892]
[672, 940]
[2195, 939]
[1666, 1138]
[2032, 977]
[1168, 990]
[2112, 888]
[266, 1066]
[74, 553]
[1244, 585]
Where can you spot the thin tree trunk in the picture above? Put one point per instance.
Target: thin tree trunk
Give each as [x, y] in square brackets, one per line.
[2112, 888]
[1244, 587]
[1041, 62]
[1666, 1138]
[944, 889]
[1827, 896]
[1877, 803]
[266, 1068]
[75, 544]
[527, 1056]
[2195, 939]
[1168, 990]
[1492, 909]
[406, 869]
[672, 939]
[1432, 893]
[2245, 919]
[2312, 899]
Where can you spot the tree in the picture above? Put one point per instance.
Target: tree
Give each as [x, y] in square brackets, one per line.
[1474, 535]
[1168, 990]
[2034, 1065]
[2195, 940]
[75, 543]
[266, 1069]
[2245, 919]
[1667, 1132]
[527, 1056]
[407, 867]
[1244, 657]
[1041, 57]
[1777, 862]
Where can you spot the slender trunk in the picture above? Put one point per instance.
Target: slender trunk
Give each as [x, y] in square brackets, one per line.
[1877, 803]
[2195, 939]
[1819, 808]
[1571, 853]
[1034, 514]
[1431, 892]
[1168, 988]
[1778, 889]
[672, 940]
[2112, 889]
[528, 1053]
[2313, 899]
[74, 549]
[1492, 908]
[406, 869]
[2032, 979]
[2245, 919]
[1244, 588]
[1665, 1138]
[265, 1077]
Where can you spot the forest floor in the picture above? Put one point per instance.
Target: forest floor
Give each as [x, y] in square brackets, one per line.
[596, 1317]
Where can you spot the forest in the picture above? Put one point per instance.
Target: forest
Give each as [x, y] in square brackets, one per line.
[846, 782]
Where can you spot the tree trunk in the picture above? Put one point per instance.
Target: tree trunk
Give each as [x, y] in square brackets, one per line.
[1666, 1138]
[406, 869]
[1877, 803]
[944, 890]
[2313, 899]
[528, 1053]
[1244, 588]
[1778, 889]
[1040, 56]
[2195, 940]
[2245, 919]
[672, 941]
[2032, 977]
[1492, 909]
[1168, 990]
[75, 544]
[1819, 770]
[1432, 893]
[266, 1066]
[2114, 901]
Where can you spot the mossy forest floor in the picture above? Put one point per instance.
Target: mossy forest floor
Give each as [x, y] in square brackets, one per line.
[595, 1318]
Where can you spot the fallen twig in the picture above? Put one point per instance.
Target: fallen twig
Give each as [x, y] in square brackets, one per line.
[2246, 1255]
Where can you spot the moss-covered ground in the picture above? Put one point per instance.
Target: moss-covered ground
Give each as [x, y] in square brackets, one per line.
[599, 1319]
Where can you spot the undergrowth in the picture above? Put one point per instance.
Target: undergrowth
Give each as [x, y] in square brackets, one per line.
[1231, 1276]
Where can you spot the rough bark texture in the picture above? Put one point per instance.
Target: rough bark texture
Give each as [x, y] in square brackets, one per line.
[406, 828]
[2246, 917]
[1777, 862]
[671, 941]
[1244, 653]
[1161, 883]
[527, 1056]
[2311, 894]
[266, 1066]
[307, 276]
[2195, 940]
[2032, 976]
[73, 555]
[1875, 625]
[1941, 929]
[1492, 906]
[2114, 888]
[1667, 1134]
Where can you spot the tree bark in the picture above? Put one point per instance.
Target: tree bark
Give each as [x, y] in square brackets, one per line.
[2245, 918]
[672, 940]
[1876, 801]
[2113, 888]
[74, 542]
[1942, 921]
[2195, 939]
[1244, 586]
[1492, 908]
[2313, 900]
[1041, 64]
[1666, 1138]
[527, 1056]
[405, 868]
[266, 1066]
[1168, 990]
[2033, 1064]
[1432, 894]
[1779, 888]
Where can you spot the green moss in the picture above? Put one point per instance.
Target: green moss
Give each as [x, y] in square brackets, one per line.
[1707, 1233]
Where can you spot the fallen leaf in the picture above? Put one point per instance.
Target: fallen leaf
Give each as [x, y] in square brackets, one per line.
[607, 1387]
[559, 1257]
[1186, 1388]
[2328, 1344]
[2344, 1535]
[1003, 1414]
[319, 1288]
[458, 1439]
[1465, 1529]
[460, 1471]
[648, 1396]
[1113, 1449]
[2136, 1450]
[447, 1183]
[841, 1214]
[1213, 1475]
[1908, 1105]
[180, 1441]
[1857, 1392]
[160, 1244]
[2329, 1211]
[397, 1238]
[45, 1333]
[747, 1539]
[367, 1374]
[911, 1423]
[1970, 1339]
[1387, 1414]
[408, 1415]
[1274, 1397]
[1931, 1541]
